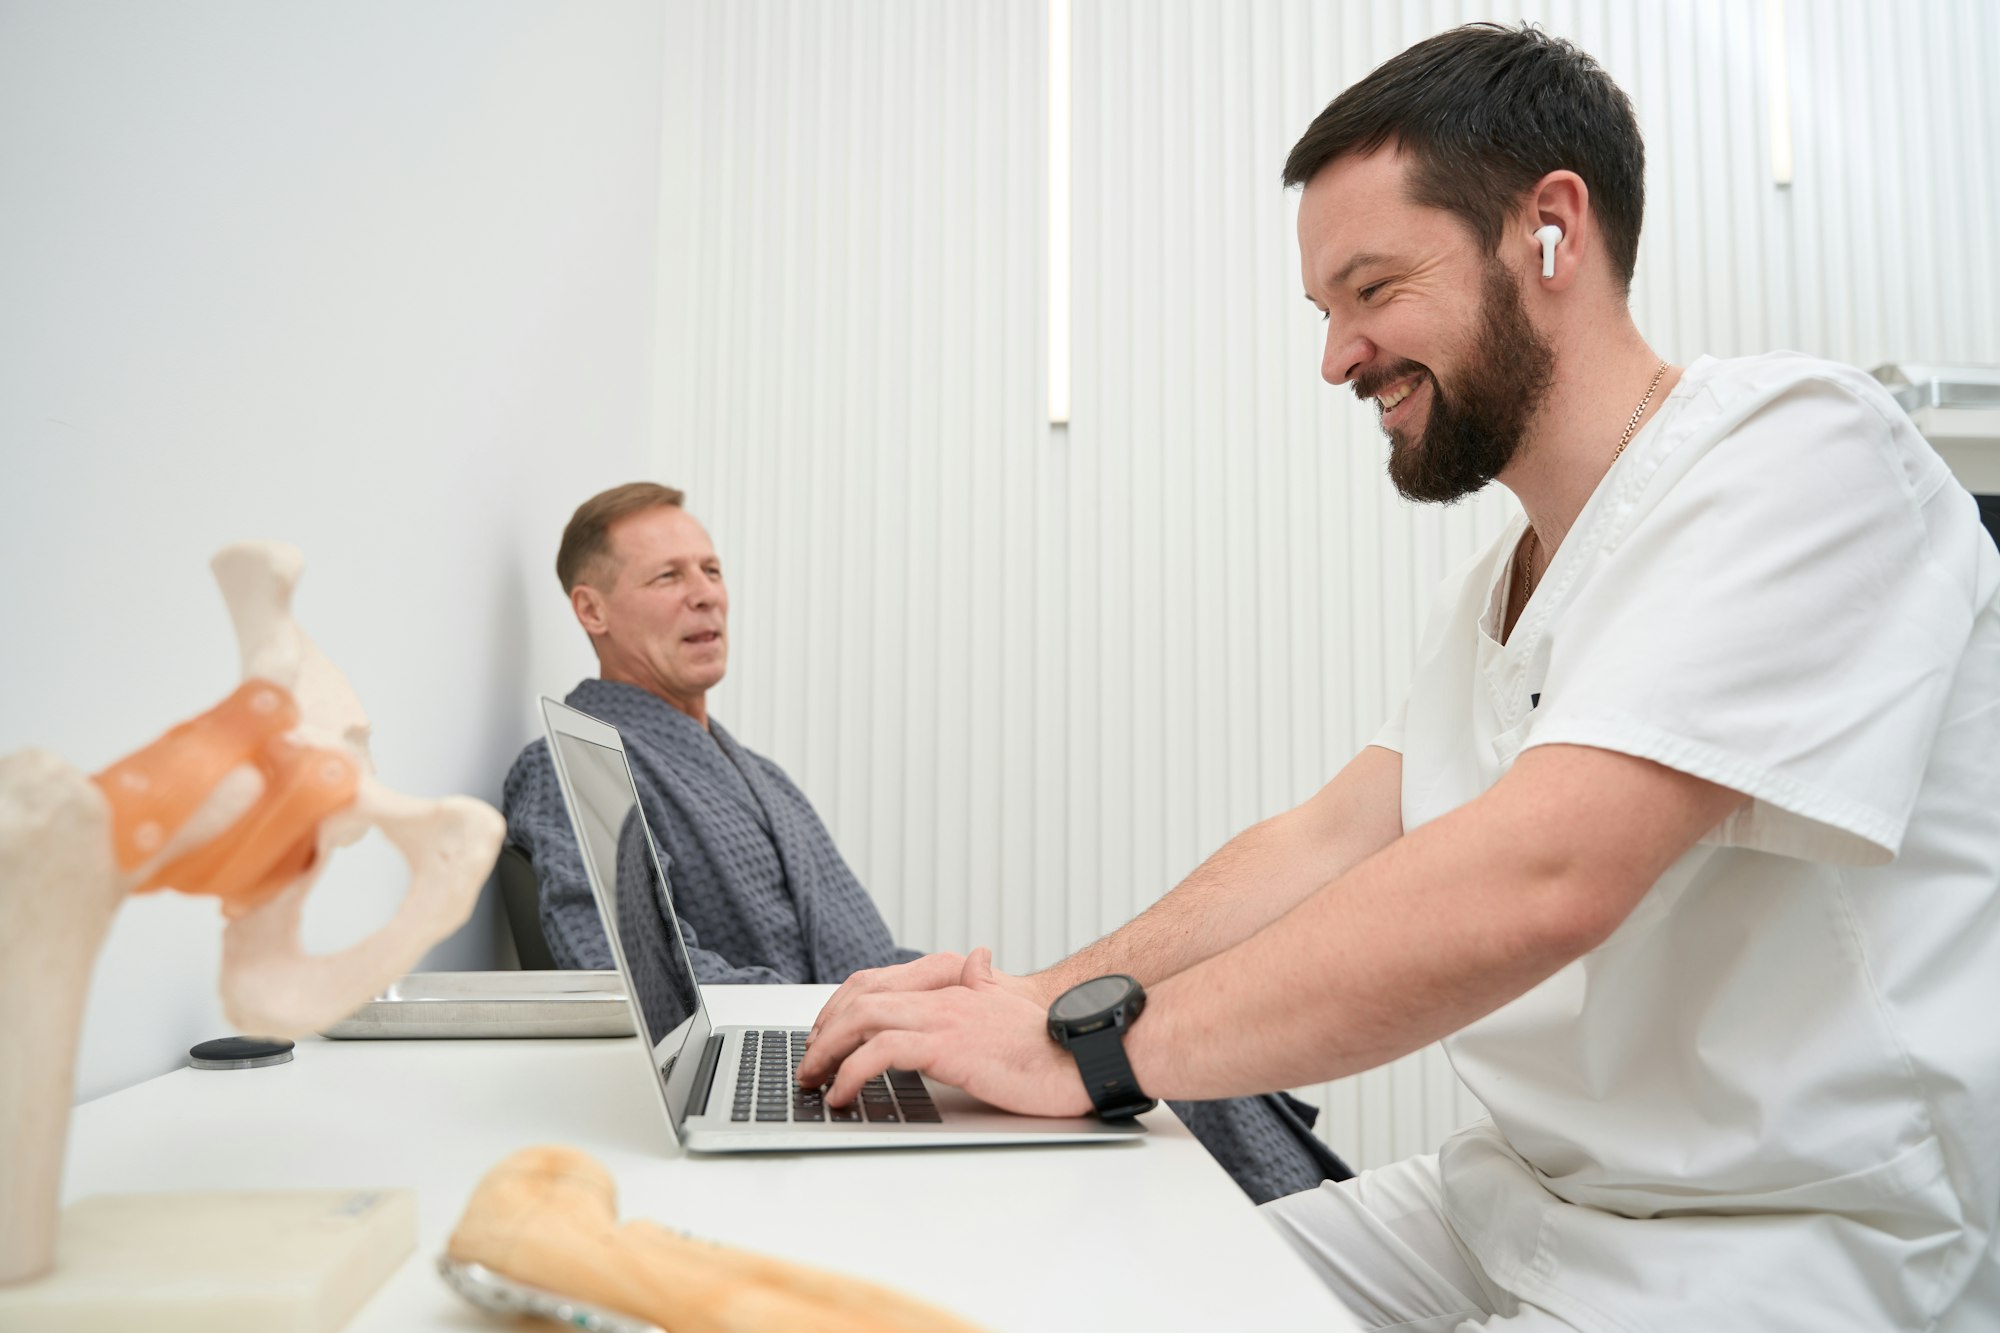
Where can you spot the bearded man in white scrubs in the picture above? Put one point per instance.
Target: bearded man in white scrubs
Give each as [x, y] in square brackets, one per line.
[1687, 839]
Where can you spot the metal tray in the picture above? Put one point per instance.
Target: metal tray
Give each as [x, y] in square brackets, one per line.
[493, 1004]
[1916, 387]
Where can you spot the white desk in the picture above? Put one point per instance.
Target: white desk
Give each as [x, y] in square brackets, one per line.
[1148, 1235]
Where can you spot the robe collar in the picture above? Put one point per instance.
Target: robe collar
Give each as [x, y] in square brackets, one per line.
[712, 757]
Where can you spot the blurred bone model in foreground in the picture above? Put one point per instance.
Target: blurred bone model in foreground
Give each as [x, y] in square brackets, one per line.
[547, 1218]
[243, 803]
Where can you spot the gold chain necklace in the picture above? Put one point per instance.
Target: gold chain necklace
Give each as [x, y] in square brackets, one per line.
[1631, 427]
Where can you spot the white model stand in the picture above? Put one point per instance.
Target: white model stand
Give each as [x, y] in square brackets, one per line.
[232, 1261]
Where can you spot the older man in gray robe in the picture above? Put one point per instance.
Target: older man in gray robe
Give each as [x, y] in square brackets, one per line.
[762, 893]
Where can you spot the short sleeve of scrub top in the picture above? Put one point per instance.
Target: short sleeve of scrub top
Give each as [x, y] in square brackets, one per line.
[1765, 613]
[1390, 737]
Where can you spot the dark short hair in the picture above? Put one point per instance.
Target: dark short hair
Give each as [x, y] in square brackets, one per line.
[1485, 111]
[586, 541]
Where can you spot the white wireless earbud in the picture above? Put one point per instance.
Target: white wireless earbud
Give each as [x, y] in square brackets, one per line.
[1549, 236]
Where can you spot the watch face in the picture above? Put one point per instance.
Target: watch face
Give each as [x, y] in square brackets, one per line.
[1092, 997]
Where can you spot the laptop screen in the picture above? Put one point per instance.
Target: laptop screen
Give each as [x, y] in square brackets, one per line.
[631, 892]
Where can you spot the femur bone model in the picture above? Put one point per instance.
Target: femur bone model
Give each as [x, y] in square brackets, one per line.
[548, 1217]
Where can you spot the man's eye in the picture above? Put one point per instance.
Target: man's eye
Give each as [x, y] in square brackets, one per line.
[1368, 293]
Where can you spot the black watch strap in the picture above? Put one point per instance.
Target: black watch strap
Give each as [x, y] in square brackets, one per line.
[1107, 1074]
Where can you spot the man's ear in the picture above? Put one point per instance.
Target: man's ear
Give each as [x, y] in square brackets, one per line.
[588, 603]
[1562, 200]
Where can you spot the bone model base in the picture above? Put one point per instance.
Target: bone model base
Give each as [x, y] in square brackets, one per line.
[547, 1217]
[243, 803]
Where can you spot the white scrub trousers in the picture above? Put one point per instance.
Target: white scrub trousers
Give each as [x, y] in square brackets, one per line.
[1381, 1244]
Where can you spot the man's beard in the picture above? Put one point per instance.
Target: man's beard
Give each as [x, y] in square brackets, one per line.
[1476, 423]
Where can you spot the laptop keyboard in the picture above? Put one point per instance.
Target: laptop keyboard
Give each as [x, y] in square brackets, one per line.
[767, 1089]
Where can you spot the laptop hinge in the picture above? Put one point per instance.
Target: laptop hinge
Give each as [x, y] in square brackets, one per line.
[704, 1075]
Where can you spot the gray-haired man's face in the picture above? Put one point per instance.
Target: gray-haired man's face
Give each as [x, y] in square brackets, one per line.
[664, 610]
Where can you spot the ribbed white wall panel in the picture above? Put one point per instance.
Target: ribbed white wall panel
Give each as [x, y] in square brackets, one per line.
[1032, 675]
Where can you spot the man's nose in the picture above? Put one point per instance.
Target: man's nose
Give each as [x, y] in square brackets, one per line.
[1346, 353]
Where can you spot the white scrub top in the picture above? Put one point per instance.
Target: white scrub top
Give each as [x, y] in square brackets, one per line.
[1771, 1100]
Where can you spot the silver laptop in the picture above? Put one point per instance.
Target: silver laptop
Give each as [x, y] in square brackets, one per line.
[732, 1089]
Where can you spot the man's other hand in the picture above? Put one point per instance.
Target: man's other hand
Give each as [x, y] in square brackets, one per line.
[931, 972]
[977, 1031]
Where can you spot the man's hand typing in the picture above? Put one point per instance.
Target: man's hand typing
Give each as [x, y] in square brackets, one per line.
[931, 972]
[979, 1030]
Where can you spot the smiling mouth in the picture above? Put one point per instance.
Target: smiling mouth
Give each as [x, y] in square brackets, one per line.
[706, 636]
[1387, 400]
[1393, 403]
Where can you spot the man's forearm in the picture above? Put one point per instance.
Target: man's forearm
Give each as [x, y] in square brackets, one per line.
[1436, 930]
[1255, 878]
[1396, 954]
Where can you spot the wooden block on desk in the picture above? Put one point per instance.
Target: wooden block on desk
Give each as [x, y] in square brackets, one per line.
[272, 1261]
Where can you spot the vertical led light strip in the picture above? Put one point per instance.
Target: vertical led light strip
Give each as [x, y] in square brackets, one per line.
[1777, 59]
[1059, 212]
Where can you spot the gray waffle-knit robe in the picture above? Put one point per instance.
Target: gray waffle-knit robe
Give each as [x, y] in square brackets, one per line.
[764, 896]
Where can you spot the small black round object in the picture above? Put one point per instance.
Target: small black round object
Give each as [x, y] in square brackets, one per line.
[239, 1053]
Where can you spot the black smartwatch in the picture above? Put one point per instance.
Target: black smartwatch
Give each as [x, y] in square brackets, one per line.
[1089, 1022]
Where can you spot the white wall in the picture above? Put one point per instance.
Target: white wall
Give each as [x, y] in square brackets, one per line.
[372, 278]
[379, 279]
[1031, 676]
